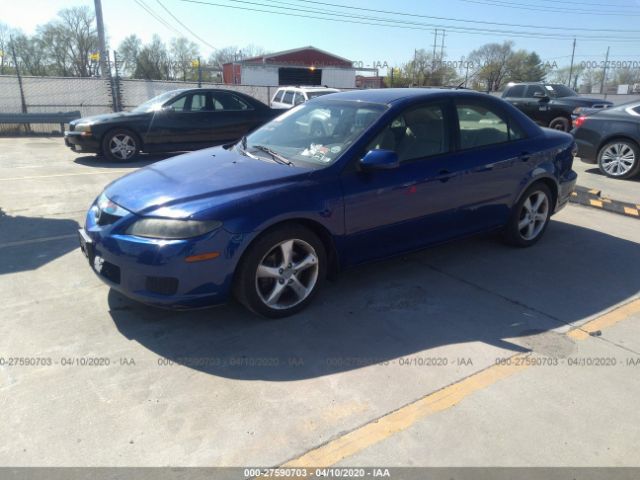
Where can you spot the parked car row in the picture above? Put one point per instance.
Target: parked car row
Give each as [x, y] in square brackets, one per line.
[266, 218]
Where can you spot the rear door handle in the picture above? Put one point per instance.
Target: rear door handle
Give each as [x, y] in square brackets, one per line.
[524, 156]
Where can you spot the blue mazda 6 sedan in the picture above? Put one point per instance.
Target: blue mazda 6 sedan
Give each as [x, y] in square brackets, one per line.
[340, 180]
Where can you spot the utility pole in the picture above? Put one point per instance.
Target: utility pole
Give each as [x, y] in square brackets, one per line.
[442, 46]
[415, 65]
[604, 74]
[573, 52]
[433, 57]
[101, 40]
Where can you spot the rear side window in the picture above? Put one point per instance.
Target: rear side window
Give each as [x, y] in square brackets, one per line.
[279, 95]
[288, 97]
[482, 125]
[516, 91]
[229, 102]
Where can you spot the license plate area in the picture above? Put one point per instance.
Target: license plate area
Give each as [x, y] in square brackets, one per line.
[86, 245]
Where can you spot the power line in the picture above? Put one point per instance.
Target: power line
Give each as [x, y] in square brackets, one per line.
[526, 6]
[408, 14]
[402, 24]
[185, 27]
[157, 17]
[584, 4]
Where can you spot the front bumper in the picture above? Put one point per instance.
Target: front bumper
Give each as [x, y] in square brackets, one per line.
[156, 272]
[78, 142]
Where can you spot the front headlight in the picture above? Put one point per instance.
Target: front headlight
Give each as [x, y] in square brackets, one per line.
[107, 206]
[82, 127]
[170, 229]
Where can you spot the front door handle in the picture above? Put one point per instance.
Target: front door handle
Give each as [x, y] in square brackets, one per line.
[524, 156]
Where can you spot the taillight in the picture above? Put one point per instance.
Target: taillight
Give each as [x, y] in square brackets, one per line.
[579, 121]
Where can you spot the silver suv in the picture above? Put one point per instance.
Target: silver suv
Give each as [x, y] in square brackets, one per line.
[287, 97]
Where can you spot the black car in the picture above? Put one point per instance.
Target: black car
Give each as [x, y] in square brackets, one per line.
[611, 138]
[187, 119]
[549, 104]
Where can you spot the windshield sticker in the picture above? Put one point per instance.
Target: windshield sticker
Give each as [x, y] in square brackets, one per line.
[549, 87]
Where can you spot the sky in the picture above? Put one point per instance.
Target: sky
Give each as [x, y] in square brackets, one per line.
[221, 23]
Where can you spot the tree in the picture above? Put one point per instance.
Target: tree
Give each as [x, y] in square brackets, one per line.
[29, 54]
[183, 52]
[128, 54]
[491, 64]
[153, 61]
[77, 26]
[523, 66]
[5, 35]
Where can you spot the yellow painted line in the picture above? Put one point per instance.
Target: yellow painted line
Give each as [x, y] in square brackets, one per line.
[595, 203]
[384, 427]
[574, 194]
[631, 211]
[606, 200]
[64, 175]
[394, 422]
[594, 191]
[606, 320]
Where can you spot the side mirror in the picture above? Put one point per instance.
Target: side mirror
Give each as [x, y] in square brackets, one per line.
[541, 95]
[168, 108]
[379, 160]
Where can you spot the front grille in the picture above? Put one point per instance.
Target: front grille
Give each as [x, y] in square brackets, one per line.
[162, 285]
[111, 272]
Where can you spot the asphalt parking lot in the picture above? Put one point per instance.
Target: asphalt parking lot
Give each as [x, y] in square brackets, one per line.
[467, 354]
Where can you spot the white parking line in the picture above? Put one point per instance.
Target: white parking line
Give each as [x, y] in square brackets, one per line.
[37, 240]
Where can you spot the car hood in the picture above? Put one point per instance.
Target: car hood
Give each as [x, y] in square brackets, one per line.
[186, 185]
[105, 117]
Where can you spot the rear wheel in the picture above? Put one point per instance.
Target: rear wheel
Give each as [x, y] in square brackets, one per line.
[120, 145]
[560, 123]
[619, 159]
[281, 272]
[530, 216]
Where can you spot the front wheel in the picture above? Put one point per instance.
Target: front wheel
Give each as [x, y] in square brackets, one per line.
[619, 159]
[120, 146]
[530, 217]
[281, 272]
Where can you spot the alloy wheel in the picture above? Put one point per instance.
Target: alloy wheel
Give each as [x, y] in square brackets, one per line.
[287, 274]
[618, 159]
[122, 146]
[534, 215]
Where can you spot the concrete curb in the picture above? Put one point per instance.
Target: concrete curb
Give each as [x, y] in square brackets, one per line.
[591, 197]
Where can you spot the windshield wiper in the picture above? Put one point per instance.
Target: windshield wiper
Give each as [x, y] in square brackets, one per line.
[274, 155]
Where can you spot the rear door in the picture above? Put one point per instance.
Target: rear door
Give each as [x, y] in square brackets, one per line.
[231, 118]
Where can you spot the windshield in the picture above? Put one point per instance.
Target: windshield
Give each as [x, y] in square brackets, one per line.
[156, 102]
[311, 95]
[314, 133]
[560, 91]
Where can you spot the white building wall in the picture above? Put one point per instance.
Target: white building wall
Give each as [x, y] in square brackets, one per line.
[339, 77]
[259, 75]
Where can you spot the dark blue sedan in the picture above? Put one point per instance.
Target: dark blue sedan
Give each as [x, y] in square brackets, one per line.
[340, 180]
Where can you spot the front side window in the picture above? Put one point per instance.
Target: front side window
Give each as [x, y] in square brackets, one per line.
[316, 133]
[516, 91]
[417, 133]
[532, 90]
[481, 125]
[179, 105]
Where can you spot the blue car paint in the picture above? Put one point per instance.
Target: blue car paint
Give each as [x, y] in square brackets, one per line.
[367, 215]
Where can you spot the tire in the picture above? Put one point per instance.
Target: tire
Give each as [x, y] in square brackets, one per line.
[560, 123]
[619, 159]
[528, 223]
[120, 145]
[272, 287]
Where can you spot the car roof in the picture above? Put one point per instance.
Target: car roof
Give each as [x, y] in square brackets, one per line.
[391, 95]
[306, 89]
